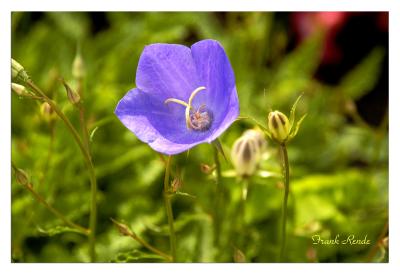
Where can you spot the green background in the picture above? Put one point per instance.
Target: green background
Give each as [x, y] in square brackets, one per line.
[339, 161]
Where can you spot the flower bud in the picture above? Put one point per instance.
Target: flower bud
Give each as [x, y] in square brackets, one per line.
[258, 135]
[122, 228]
[245, 155]
[238, 256]
[18, 89]
[73, 96]
[279, 126]
[206, 168]
[176, 184]
[47, 112]
[18, 71]
[78, 67]
[21, 177]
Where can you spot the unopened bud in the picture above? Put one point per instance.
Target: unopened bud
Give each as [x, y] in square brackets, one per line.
[18, 71]
[18, 89]
[238, 256]
[73, 96]
[47, 112]
[176, 184]
[78, 67]
[258, 136]
[122, 228]
[21, 177]
[279, 126]
[245, 155]
[385, 242]
[206, 168]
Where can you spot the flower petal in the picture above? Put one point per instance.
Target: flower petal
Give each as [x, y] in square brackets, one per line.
[231, 114]
[162, 126]
[215, 73]
[167, 71]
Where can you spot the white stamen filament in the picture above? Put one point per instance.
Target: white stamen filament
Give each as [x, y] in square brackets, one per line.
[188, 105]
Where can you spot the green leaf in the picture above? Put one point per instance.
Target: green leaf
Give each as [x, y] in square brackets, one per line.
[92, 133]
[57, 230]
[363, 78]
[137, 256]
[185, 194]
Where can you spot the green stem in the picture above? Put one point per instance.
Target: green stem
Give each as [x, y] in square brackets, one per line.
[150, 247]
[168, 208]
[285, 170]
[82, 120]
[88, 161]
[217, 213]
[93, 187]
[57, 213]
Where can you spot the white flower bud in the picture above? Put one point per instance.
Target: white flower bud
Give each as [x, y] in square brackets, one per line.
[246, 153]
[18, 89]
[18, 71]
[47, 112]
[78, 67]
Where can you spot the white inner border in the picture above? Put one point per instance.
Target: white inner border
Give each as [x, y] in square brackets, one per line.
[6, 6]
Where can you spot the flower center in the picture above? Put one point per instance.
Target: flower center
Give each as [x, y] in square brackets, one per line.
[199, 119]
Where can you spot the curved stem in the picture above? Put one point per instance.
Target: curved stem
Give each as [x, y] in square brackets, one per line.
[285, 170]
[88, 161]
[125, 230]
[150, 247]
[168, 208]
[57, 213]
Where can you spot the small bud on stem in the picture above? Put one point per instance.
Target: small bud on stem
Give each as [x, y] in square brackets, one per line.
[279, 126]
[122, 228]
[47, 112]
[21, 177]
[78, 67]
[18, 71]
[73, 96]
[18, 89]
[246, 152]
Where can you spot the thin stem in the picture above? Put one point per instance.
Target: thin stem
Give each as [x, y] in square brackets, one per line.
[168, 208]
[239, 214]
[378, 244]
[93, 187]
[126, 231]
[217, 213]
[82, 120]
[285, 170]
[150, 247]
[88, 161]
[57, 213]
[85, 132]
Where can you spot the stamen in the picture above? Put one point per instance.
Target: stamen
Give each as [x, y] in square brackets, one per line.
[173, 100]
[187, 111]
[197, 90]
[202, 117]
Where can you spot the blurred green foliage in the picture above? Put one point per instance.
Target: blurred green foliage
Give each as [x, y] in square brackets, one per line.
[339, 163]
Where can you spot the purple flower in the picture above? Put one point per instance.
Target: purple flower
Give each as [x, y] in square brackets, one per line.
[184, 96]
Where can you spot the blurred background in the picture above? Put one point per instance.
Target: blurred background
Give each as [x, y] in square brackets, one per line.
[339, 159]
